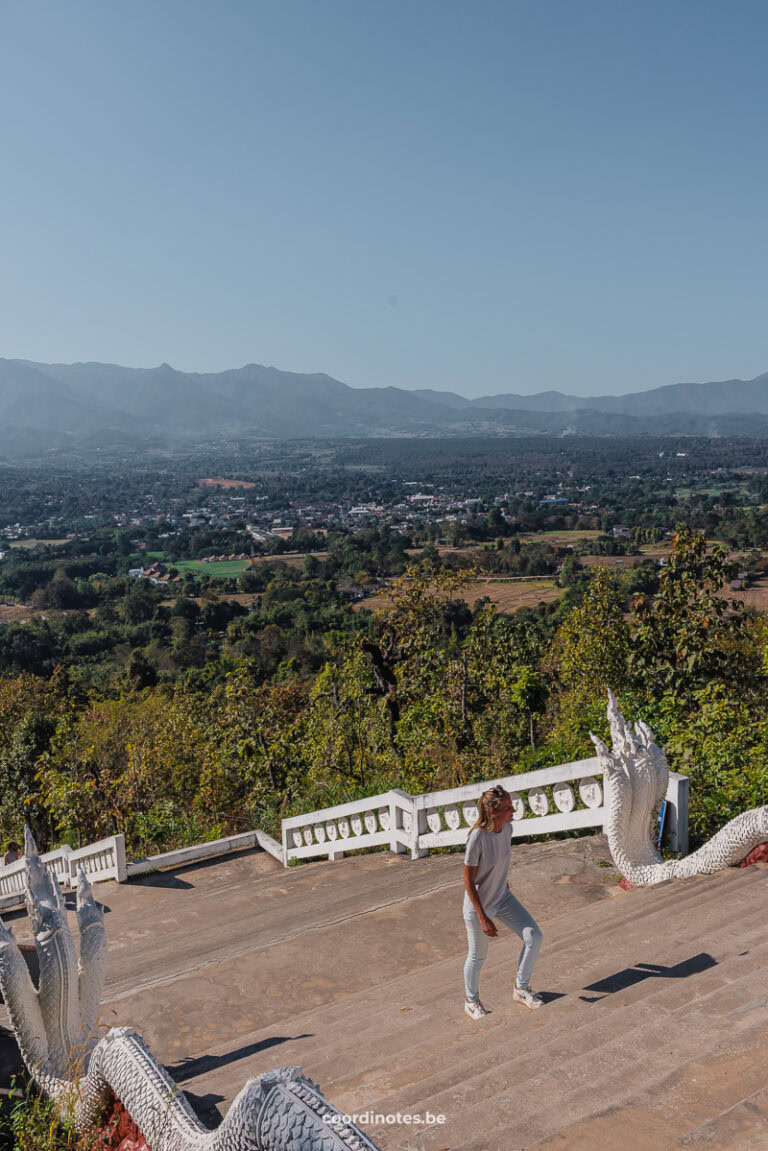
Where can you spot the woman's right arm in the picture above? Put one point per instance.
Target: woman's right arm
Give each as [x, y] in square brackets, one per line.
[488, 926]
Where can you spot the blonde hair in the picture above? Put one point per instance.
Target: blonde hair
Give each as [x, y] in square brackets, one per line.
[489, 802]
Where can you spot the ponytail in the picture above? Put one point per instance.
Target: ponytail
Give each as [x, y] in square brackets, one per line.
[489, 802]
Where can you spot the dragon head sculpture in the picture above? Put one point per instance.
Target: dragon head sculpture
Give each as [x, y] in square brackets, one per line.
[635, 777]
[57, 1029]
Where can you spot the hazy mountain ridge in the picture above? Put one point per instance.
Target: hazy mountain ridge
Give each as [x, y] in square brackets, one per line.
[60, 404]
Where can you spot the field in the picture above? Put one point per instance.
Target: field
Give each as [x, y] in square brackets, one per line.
[755, 596]
[620, 561]
[507, 595]
[15, 613]
[221, 569]
[215, 483]
[23, 613]
[38, 543]
[292, 559]
[715, 493]
[244, 598]
[560, 538]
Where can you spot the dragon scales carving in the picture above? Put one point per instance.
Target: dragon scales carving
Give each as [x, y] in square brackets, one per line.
[635, 776]
[56, 1027]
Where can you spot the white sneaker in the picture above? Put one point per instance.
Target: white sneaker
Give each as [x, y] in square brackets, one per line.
[527, 997]
[475, 1009]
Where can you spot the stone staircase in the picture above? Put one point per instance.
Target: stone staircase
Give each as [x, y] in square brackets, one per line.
[651, 1038]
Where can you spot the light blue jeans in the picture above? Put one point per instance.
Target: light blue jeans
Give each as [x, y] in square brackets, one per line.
[511, 912]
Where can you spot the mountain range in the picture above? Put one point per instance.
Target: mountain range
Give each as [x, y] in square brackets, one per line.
[47, 407]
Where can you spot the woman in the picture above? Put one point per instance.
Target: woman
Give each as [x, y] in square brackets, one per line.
[11, 854]
[486, 867]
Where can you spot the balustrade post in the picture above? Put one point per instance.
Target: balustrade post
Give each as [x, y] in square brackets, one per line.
[397, 830]
[418, 827]
[121, 863]
[676, 823]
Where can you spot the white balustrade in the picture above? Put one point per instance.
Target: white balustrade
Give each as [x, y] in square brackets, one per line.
[518, 805]
[564, 797]
[538, 801]
[100, 861]
[562, 793]
[452, 818]
[395, 819]
[591, 792]
[433, 822]
[12, 883]
[379, 821]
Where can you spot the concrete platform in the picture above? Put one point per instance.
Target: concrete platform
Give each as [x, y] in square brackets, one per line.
[651, 1037]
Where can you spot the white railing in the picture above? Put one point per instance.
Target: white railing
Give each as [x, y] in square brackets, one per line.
[561, 798]
[106, 860]
[100, 861]
[12, 875]
[565, 797]
[184, 855]
[380, 821]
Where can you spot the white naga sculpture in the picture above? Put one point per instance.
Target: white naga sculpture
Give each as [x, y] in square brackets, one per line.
[635, 777]
[57, 1031]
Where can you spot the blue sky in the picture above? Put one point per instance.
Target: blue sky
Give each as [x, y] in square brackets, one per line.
[485, 197]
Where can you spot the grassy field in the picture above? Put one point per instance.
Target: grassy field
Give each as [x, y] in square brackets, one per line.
[245, 598]
[734, 489]
[560, 537]
[15, 613]
[215, 483]
[37, 543]
[755, 596]
[21, 613]
[221, 569]
[507, 595]
[292, 559]
[619, 561]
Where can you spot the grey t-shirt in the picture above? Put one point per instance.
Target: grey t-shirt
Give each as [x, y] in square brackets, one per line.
[490, 853]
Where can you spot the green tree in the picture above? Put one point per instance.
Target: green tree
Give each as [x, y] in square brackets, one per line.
[688, 636]
[591, 653]
[593, 641]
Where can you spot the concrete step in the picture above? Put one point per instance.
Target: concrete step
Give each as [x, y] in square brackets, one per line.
[691, 1107]
[352, 969]
[518, 1041]
[316, 944]
[225, 924]
[406, 995]
[517, 1113]
[396, 1048]
[415, 1040]
[741, 1127]
[531, 1043]
[394, 994]
[644, 902]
